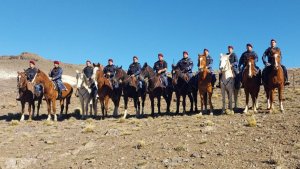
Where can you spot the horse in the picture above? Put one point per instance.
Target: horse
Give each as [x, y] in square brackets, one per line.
[183, 86]
[251, 81]
[28, 95]
[274, 80]
[51, 94]
[130, 90]
[106, 91]
[86, 97]
[204, 83]
[156, 88]
[227, 82]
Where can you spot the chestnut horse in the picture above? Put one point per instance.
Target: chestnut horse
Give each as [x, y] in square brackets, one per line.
[28, 95]
[51, 94]
[131, 90]
[156, 88]
[275, 80]
[204, 83]
[251, 81]
[106, 91]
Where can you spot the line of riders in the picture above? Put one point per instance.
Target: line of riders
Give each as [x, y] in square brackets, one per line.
[160, 67]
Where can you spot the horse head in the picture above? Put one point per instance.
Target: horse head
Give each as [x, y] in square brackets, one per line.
[201, 62]
[175, 74]
[250, 66]
[224, 63]
[22, 81]
[146, 72]
[276, 58]
[78, 79]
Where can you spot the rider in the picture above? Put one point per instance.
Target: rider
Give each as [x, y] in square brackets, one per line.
[88, 72]
[244, 58]
[209, 63]
[134, 70]
[268, 53]
[160, 67]
[110, 71]
[30, 72]
[56, 75]
[234, 64]
[186, 64]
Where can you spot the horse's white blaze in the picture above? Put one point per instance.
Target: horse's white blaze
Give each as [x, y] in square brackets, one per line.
[200, 60]
[276, 63]
[281, 106]
[250, 73]
[125, 114]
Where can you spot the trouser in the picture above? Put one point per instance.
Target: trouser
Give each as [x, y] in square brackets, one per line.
[165, 80]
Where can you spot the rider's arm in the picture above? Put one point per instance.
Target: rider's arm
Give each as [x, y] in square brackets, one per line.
[264, 57]
[138, 71]
[59, 74]
[241, 61]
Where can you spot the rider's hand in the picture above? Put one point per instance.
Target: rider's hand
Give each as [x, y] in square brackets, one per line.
[268, 64]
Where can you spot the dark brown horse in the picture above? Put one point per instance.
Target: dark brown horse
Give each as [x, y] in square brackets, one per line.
[204, 83]
[106, 91]
[274, 80]
[130, 90]
[184, 86]
[51, 94]
[155, 88]
[28, 95]
[251, 80]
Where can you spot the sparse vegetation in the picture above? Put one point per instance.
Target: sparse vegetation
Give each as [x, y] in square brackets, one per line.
[14, 123]
[141, 144]
[251, 121]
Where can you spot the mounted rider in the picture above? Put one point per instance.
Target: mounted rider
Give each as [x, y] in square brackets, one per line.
[268, 53]
[88, 71]
[244, 58]
[56, 76]
[209, 63]
[160, 67]
[110, 71]
[30, 73]
[186, 65]
[233, 59]
[134, 70]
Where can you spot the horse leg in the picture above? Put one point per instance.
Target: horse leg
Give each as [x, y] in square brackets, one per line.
[201, 101]
[152, 105]
[254, 102]
[280, 98]
[268, 98]
[223, 98]
[82, 107]
[38, 107]
[86, 106]
[22, 111]
[235, 95]
[95, 106]
[195, 97]
[49, 109]
[192, 102]
[31, 113]
[271, 100]
[210, 102]
[136, 101]
[61, 102]
[106, 105]
[54, 109]
[184, 103]
[143, 103]
[68, 101]
[158, 103]
[169, 98]
[177, 102]
[102, 107]
[125, 105]
[204, 100]
[230, 98]
[247, 99]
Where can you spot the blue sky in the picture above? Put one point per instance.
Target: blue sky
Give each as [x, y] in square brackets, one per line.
[75, 30]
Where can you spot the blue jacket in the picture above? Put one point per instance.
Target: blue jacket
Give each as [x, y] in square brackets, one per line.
[244, 57]
[56, 74]
[185, 65]
[111, 69]
[134, 68]
[268, 53]
[159, 65]
[31, 72]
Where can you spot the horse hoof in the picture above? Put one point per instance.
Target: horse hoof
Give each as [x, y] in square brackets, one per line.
[211, 113]
[200, 113]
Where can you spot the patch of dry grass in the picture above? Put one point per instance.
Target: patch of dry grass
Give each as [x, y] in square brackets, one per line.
[180, 148]
[141, 144]
[229, 112]
[251, 121]
[89, 126]
[14, 123]
[48, 123]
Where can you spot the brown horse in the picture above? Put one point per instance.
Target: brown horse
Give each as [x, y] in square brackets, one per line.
[204, 83]
[251, 81]
[274, 80]
[106, 91]
[27, 95]
[51, 94]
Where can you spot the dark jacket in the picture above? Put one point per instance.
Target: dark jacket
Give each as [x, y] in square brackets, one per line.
[30, 72]
[111, 69]
[185, 65]
[88, 71]
[134, 69]
[268, 53]
[159, 65]
[56, 74]
[244, 57]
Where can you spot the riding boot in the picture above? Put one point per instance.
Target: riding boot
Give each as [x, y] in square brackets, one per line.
[286, 78]
[59, 94]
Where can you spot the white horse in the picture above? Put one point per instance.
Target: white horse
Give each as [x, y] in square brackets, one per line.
[85, 96]
[227, 82]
